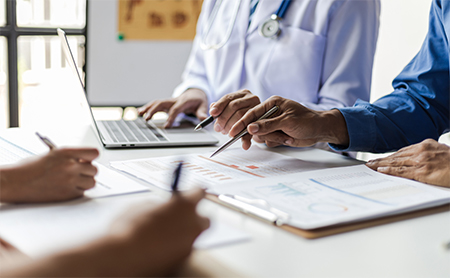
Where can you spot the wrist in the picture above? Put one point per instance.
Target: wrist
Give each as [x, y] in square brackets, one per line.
[334, 128]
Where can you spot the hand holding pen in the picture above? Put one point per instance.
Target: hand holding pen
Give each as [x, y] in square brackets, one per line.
[294, 125]
[61, 174]
[228, 110]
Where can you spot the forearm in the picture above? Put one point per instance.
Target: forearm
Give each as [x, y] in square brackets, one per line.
[7, 185]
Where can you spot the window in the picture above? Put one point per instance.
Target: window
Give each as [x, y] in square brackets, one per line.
[2, 12]
[42, 71]
[32, 57]
[51, 13]
[4, 118]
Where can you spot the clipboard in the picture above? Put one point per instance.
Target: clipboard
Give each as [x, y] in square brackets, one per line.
[340, 228]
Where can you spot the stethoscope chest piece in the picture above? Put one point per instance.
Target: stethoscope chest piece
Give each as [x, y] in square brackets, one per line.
[270, 28]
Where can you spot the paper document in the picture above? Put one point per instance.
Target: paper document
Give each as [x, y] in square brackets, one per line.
[109, 182]
[11, 153]
[43, 229]
[338, 195]
[231, 166]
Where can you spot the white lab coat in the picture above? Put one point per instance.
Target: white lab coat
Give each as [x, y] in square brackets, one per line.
[322, 59]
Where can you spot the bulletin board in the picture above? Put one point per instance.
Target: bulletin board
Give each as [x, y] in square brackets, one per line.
[136, 50]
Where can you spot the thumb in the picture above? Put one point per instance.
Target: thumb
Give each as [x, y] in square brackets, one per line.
[263, 127]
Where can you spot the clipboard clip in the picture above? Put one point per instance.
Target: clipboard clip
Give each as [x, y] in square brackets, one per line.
[256, 207]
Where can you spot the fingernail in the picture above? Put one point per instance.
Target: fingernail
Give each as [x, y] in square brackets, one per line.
[217, 128]
[382, 169]
[253, 128]
[288, 142]
[213, 111]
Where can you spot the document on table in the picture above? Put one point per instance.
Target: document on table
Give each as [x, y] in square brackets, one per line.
[42, 229]
[231, 166]
[11, 153]
[322, 198]
[108, 181]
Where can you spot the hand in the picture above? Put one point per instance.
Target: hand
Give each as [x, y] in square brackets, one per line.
[428, 162]
[192, 101]
[292, 125]
[160, 237]
[62, 174]
[230, 108]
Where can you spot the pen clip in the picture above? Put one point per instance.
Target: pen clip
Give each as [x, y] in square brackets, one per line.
[250, 206]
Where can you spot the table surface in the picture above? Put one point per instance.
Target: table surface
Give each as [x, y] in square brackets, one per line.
[409, 248]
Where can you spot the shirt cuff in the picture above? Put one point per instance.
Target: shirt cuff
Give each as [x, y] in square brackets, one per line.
[361, 128]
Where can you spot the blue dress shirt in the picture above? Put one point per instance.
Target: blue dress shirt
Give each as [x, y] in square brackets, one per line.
[418, 108]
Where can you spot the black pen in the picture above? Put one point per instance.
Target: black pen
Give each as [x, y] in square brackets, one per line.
[204, 123]
[46, 141]
[176, 177]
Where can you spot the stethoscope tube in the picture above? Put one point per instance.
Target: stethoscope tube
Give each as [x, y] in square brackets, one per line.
[283, 8]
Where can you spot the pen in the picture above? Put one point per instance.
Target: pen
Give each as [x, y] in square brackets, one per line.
[204, 123]
[243, 132]
[176, 177]
[46, 141]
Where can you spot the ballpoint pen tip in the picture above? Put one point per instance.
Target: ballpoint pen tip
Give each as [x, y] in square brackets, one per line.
[198, 127]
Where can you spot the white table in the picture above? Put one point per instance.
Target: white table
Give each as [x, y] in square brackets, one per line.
[410, 248]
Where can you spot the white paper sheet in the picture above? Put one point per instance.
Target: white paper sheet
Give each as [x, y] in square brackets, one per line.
[39, 230]
[325, 197]
[230, 166]
[110, 182]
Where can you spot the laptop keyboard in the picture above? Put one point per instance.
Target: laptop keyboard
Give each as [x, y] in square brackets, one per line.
[133, 131]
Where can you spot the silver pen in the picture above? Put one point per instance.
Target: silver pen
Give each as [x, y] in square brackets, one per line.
[46, 141]
[244, 132]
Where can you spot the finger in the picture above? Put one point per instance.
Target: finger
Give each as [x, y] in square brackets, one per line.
[266, 126]
[162, 105]
[246, 141]
[204, 223]
[228, 118]
[84, 183]
[401, 171]
[252, 115]
[177, 108]
[141, 110]
[235, 110]
[87, 169]
[84, 154]
[219, 106]
[391, 161]
[276, 138]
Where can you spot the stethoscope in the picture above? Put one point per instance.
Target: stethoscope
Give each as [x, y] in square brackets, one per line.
[269, 29]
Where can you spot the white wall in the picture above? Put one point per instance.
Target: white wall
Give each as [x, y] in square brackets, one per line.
[404, 24]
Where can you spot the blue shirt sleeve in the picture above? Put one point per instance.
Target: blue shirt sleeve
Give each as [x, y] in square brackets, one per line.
[419, 106]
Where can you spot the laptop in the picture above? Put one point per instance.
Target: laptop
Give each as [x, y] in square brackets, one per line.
[136, 133]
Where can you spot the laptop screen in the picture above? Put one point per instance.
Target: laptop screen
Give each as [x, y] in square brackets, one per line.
[81, 97]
